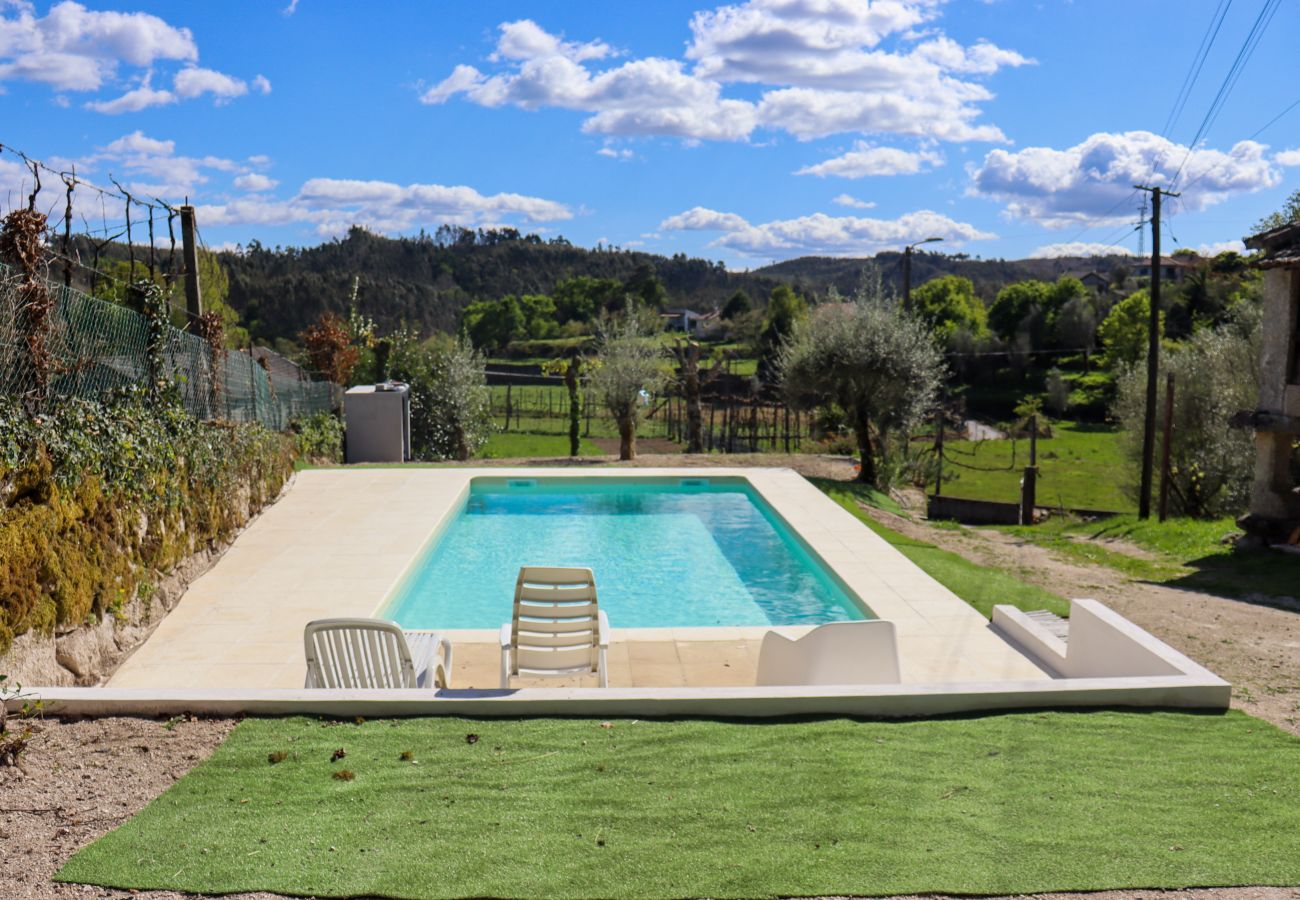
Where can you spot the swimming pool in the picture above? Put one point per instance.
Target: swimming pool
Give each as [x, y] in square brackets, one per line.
[666, 553]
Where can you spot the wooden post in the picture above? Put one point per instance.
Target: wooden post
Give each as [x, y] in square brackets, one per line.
[1164, 450]
[938, 456]
[190, 255]
[508, 387]
[1029, 485]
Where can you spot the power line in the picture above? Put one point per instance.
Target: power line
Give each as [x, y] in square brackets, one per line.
[1198, 63]
[1253, 37]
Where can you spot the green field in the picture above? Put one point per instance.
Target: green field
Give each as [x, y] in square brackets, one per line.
[1000, 804]
[1080, 466]
[517, 445]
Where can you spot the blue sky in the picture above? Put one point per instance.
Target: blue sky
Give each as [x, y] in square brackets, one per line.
[745, 132]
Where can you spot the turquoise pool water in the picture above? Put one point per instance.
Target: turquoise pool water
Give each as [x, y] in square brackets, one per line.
[666, 553]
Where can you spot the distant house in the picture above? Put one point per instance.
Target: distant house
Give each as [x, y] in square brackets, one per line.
[1093, 281]
[688, 320]
[1172, 268]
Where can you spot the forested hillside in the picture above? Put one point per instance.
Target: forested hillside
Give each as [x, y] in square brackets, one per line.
[818, 273]
[426, 281]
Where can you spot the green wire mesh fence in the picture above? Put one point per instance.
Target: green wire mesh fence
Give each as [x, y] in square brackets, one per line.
[95, 346]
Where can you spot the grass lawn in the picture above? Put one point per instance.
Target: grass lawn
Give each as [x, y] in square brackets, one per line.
[513, 445]
[1076, 468]
[1005, 804]
[1188, 553]
[980, 587]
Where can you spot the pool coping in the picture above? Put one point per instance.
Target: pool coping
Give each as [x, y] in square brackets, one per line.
[341, 541]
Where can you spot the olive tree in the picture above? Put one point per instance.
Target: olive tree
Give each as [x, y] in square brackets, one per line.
[1216, 373]
[629, 368]
[871, 358]
[451, 411]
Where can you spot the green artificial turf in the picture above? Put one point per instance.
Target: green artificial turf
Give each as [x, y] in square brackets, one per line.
[980, 587]
[1004, 804]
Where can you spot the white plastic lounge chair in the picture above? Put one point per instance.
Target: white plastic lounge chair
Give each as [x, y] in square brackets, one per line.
[373, 653]
[557, 628]
[836, 653]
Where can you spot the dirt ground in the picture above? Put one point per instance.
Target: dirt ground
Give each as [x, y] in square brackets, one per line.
[81, 779]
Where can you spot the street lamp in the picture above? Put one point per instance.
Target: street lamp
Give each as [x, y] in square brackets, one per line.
[907, 269]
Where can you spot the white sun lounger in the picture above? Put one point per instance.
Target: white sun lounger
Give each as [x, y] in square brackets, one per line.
[835, 653]
[373, 653]
[557, 627]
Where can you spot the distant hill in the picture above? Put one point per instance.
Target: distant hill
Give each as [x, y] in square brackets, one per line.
[816, 274]
[426, 281]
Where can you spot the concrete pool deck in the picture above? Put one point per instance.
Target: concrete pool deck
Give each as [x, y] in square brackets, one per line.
[340, 540]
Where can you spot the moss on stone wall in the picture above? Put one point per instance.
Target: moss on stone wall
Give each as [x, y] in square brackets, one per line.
[98, 499]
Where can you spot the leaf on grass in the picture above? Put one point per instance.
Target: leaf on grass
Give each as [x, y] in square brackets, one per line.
[338, 754]
[344, 775]
[407, 756]
[278, 756]
[471, 738]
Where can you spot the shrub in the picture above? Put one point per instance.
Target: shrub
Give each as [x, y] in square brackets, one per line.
[1215, 375]
[318, 438]
[98, 497]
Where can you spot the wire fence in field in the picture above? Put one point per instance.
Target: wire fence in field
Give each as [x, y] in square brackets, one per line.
[94, 346]
[540, 404]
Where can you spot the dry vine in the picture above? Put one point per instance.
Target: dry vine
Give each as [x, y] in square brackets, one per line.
[22, 246]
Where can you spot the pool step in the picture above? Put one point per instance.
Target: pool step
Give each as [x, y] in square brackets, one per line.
[1052, 622]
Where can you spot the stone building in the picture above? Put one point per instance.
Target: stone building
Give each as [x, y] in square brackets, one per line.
[1275, 497]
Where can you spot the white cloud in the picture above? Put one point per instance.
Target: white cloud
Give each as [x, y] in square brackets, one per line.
[290, 9]
[1218, 247]
[866, 160]
[1287, 158]
[135, 100]
[1091, 181]
[823, 235]
[614, 153]
[525, 39]
[151, 167]
[852, 202]
[820, 65]
[332, 205]
[254, 182]
[193, 81]
[72, 48]
[261, 84]
[1077, 248]
[700, 218]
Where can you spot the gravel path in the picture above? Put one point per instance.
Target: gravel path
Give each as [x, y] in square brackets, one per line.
[81, 779]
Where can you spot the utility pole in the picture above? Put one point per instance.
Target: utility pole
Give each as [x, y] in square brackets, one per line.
[907, 270]
[1153, 354]
[1164, 449]
[190, 254]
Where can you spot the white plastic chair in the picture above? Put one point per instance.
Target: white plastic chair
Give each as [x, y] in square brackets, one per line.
[836, 653]
[373, 653]
[557, 627]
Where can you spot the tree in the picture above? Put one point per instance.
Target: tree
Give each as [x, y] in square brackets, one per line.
[451, 414]
[628, 373]
[581, 299]
[1014, 304]
[1216, 374]
[691, 379]
[737, 305]
[947, 305]
[784, 309]
[573, 367]
[1287, 215]
[873, 360]
[1124, 333]
[1076, 326]
[329, 348]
